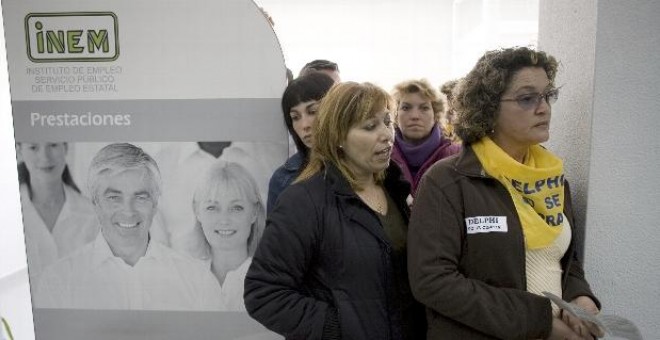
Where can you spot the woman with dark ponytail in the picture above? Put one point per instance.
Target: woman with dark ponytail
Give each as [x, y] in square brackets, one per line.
[300, 103]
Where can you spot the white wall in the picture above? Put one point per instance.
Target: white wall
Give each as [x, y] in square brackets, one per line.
[610, 49]
[15, 303]
[382, 41]
[389, 41]
[574, 45]
[12, 253]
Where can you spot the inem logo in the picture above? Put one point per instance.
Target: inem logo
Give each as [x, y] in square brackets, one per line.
[78, 36]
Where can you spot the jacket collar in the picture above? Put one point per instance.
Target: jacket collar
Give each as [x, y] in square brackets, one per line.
[394, 182]
[336, 180]
[468, 164]
[357, 212]
[294, 162]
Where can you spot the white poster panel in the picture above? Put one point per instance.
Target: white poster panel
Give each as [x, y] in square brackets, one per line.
[146, 134]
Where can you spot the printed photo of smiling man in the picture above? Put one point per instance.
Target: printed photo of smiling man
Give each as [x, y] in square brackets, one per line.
[123, 268]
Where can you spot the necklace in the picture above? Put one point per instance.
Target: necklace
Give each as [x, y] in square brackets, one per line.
[374, 199]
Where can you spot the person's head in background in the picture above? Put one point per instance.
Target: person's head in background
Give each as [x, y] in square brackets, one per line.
[229, 211]
[418, 110]
[449, 116]
[353, 133]
[495, 100]
[321, 65]
[448, 90]
[44, 163]
[289, 76]
[300, 103]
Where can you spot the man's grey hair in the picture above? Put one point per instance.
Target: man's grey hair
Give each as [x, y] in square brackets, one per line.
[119, 157]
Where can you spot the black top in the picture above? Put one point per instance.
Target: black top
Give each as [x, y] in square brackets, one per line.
[326, 267]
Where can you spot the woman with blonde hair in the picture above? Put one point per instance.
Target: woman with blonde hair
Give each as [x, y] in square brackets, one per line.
[419, 140]
[230, 219]
[332, 261]
[449, 116]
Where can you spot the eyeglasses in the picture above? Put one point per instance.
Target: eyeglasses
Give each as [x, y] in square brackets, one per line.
[531, 101]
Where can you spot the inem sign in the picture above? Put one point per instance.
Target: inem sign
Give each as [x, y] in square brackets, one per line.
[74, 37]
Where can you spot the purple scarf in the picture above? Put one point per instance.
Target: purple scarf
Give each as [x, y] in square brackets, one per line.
[416, 155]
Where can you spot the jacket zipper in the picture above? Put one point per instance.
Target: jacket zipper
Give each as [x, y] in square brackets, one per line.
[521, 249]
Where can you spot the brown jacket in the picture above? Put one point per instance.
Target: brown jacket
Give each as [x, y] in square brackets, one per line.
[474, 285]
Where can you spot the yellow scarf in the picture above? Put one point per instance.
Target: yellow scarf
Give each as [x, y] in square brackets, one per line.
[537, 188]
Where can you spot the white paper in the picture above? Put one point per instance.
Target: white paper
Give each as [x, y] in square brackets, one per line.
[611, 324]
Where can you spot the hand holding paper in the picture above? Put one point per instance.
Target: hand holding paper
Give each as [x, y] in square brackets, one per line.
[613, 325]
[584, 328]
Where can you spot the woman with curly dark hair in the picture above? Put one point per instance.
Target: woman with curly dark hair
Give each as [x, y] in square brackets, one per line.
[493, 229]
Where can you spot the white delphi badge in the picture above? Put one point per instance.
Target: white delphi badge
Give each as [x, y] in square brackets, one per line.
[486, 224]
